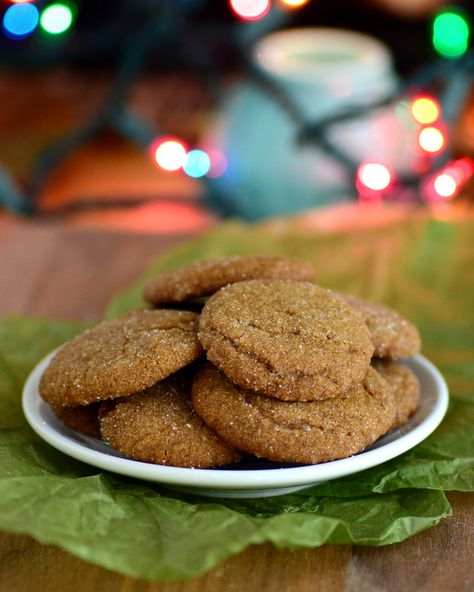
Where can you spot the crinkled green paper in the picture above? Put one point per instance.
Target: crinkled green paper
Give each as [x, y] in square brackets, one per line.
[143, 530]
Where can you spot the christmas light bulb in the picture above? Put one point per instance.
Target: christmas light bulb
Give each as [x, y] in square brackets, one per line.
[56, 18]
[294, 3]
[445, 185]
[450, 34]
[431, 139]
[464, 168]
[250, 10]
[197, 164]
[20, 20]
[374, 176]
[170, 154]
[425, 110]
[218, 164]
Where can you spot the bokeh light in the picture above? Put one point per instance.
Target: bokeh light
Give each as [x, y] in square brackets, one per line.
[374, 176]
[56, 18]
[425, 110]
[445, 185]
[20, 20]
[197, 164]
[294, 3]
[431, 139]
[464, 168]
[170, 154]
[449, 181]
[450, 34]
[218, 164]
[250, 10]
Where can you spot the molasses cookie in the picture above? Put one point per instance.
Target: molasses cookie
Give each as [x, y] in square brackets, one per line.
[405, 386]
[81, 419]
[393, 336]
[202, 278]
[121, 356]
[160, 426]
[290, 340]
[304, 432]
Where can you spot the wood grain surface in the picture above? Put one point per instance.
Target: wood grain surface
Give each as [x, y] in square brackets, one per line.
[71, 273]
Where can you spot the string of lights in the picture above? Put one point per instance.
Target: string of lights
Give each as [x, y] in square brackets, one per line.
[22, 18]
[440, 178]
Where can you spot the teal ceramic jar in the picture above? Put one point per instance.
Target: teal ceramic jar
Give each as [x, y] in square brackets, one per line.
[323, 70]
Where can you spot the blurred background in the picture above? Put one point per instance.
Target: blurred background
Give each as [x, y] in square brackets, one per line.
[167, 115]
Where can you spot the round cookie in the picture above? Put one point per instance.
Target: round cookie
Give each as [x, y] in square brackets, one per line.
[393, 336]
[303, 432]
[121, 356]
[405, 386]
[290, 340]
[202, 278]
[82, 419]
[160, 426]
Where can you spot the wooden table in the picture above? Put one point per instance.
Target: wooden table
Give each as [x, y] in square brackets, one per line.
[70, 273]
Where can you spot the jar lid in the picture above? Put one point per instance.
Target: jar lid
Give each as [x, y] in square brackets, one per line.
[312, 54]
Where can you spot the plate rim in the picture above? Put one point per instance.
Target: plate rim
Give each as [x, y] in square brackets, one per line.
[235, 480]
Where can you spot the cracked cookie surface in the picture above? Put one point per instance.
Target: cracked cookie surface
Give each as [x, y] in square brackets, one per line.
[304, 432]
[285, 339]
[205, 277]
[393, 336]
[121, 356]
[405, 386]
[159, 426]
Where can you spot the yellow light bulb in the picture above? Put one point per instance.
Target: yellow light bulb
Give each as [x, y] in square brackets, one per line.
[425, 110]
[294, 3]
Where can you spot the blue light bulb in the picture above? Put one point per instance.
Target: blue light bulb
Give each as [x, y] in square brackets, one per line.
[197, 163]
[20, 20]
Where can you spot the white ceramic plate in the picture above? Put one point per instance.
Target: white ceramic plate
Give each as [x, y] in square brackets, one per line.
[255, 478]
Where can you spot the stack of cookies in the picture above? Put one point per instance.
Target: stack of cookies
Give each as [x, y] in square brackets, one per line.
[273, 365]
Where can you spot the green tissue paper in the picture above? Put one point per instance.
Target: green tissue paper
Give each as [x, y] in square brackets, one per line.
[147, 531]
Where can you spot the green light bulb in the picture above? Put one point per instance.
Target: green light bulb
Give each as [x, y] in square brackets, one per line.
[56, 18]
[450, 34]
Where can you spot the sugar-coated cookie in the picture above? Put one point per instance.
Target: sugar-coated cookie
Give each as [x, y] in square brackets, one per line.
[286, 339]
[304, 432]
[393, 336]
[202, 278]
[160, 426]
[405, 386]
[121, 356]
